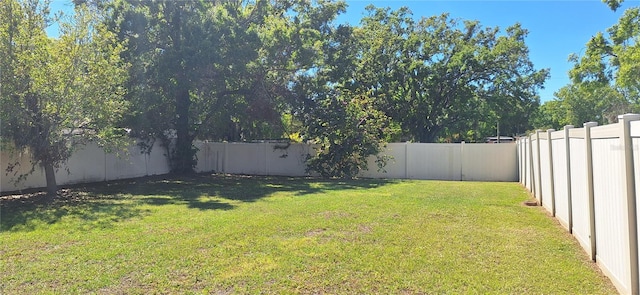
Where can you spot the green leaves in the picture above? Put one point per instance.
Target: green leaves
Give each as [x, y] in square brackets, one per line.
[625, 37]
[440, 78]
[244, 70]
[348, 128]
[428, 80]
[58, 93]
[613, 4]
[218, 70]
[605, 81]
[580, 103]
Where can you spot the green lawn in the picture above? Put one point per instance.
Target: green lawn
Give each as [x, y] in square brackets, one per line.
[228, 235]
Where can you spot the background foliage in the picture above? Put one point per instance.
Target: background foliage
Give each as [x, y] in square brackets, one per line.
[57, 94]
[250, 70]
[605, 79]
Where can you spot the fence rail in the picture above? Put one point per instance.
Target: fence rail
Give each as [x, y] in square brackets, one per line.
[588, 178]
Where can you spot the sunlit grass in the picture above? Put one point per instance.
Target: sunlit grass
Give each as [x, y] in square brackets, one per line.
[228, 235]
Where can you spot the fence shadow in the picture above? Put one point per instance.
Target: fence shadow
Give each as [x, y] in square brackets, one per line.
[104, 204]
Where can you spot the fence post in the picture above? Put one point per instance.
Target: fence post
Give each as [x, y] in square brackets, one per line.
[567, 142]
[592, 209]
[631, 196]
[520, 162]
[104, 158]
[406, 160]
[532, 170]
[551, 176]
[225, 156]
[265, 154]
[461, 159]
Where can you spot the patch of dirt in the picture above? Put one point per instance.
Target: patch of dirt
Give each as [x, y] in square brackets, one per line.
[23, 199]
[315, 232]
[365, 229]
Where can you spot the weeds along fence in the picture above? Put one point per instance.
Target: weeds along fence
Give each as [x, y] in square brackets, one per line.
[481, 162]
[588, 179]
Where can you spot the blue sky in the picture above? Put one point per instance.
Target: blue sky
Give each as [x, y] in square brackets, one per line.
[556, 28]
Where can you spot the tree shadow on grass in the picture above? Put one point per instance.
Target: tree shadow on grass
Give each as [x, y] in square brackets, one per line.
[103, 204]
[196, 190]
[26, 212]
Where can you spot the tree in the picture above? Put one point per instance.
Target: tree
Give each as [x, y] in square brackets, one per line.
[613, 4]
[347, 128]
[344, 121]
[550, 115]
[168, 50]
[576, 104]
[216, 70]
[58, 94]
[439, 78]
[393, 78]
[605, 81]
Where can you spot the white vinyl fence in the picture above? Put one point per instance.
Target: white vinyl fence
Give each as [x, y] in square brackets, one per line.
[474, 162]
[89, 164]
[481, 162]
[587, 178]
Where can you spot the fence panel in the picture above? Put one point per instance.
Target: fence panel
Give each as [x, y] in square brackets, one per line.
[130, 165]
[286, 160]
[207, 156]
[545, 169]
[23, 162]
[479, 162]
[610, 210]
[526, 163]
[88, 164]
[396, 167]
[245, 158]
[535, 158]
[561, 183]
[434, 161]
[593, 183]
[489, 162]
[156, 160]
[522, 163]
[580, 193]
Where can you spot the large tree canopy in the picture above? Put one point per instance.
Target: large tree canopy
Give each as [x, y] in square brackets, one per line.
[441, 78]
[243, 70]
[397, 78]
[59, 93]
[216, 70]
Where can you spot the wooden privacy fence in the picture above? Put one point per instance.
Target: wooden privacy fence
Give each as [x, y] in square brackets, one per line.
[588, 178]
[482, 162]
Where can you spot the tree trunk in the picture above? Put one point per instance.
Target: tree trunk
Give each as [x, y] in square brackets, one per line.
[183, 156]
[52, 187]
[428, 134]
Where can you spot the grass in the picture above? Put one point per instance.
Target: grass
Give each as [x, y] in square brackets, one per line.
[210, 234]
